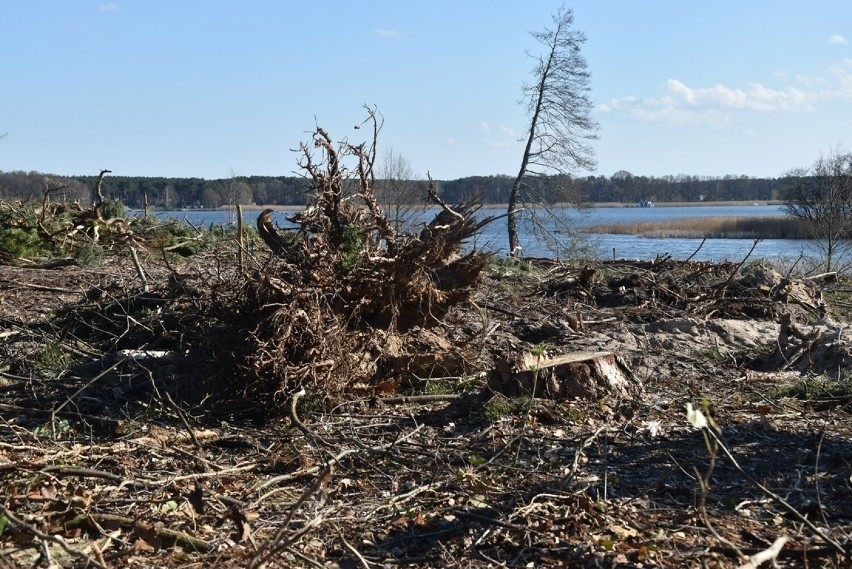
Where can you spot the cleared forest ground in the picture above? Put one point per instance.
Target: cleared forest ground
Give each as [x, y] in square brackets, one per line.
[122, 445]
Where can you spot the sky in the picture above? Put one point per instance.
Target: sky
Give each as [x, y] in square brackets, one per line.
[212, 88]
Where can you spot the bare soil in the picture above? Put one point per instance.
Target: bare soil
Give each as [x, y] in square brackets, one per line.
[121, 450]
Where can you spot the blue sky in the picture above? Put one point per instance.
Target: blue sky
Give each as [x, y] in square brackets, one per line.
[204, 88]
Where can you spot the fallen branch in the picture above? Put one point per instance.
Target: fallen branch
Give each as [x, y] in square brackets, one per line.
[28, 528]
[768, 554]
[139, 271]
[421, 398]
[720, 291]
[170, 535]
[185, 422]
[568, 478]
[278, 542]
[71, 397]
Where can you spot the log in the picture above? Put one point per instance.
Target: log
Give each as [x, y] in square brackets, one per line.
[585, 375]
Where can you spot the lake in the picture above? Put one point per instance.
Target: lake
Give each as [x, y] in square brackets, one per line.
[605, 246]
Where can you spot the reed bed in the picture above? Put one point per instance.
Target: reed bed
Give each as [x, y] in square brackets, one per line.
[718, 227]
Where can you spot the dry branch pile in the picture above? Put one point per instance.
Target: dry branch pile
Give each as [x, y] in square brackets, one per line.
[651, 290]
[50, 233]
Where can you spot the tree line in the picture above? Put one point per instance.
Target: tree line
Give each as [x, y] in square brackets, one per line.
[176, 193]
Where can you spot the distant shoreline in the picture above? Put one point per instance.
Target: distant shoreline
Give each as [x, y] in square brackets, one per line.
[692, 204]
[254, 207]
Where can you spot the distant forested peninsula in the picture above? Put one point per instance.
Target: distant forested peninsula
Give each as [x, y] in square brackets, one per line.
[175, 193]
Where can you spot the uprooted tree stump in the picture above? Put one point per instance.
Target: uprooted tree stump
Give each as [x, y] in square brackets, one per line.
[583, 375]
[347, 301]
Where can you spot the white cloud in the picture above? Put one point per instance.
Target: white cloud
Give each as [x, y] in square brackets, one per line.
[755, 97]
[665, 109]
[109, 7]
[841, 87]
[500, 137]
[808, 81]
[386, 33]
[680, 103]
[837, 39]
[452, 141]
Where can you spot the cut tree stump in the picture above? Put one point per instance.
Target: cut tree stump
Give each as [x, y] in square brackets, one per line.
[585, 375]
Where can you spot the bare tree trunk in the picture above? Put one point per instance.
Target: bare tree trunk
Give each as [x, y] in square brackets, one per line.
[512, 223]
[240, 240]
[100, 203]
[511, 211]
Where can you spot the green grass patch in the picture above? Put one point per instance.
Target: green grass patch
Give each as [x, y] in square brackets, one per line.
[51, 359]
[499, 407]
[510, 271]
[446, 385]
[820, 390]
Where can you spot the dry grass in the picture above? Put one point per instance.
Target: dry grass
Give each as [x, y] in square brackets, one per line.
[719, 227]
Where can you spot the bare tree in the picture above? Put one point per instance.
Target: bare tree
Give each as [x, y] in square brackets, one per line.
[233, 191]
[821, 198]
[560, 115]
[396, 188]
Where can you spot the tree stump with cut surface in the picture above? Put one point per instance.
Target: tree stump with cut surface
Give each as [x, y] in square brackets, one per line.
[585, 375]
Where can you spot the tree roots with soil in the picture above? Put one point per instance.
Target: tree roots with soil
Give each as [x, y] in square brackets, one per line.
[336, 307]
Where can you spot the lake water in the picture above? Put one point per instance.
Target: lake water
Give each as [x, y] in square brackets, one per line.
[605, 246]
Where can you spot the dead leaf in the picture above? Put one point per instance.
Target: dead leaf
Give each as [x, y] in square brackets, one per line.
[390, 386]
[478, 501]
[148, 537]
[623, 532]
[143, 545]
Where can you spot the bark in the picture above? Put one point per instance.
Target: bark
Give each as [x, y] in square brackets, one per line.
[587, 375]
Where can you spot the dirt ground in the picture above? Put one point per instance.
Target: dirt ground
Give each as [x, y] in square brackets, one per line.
[106, 461]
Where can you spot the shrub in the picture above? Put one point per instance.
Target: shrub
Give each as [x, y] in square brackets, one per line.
[89, 254]
[113, 209]
[19, 243]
